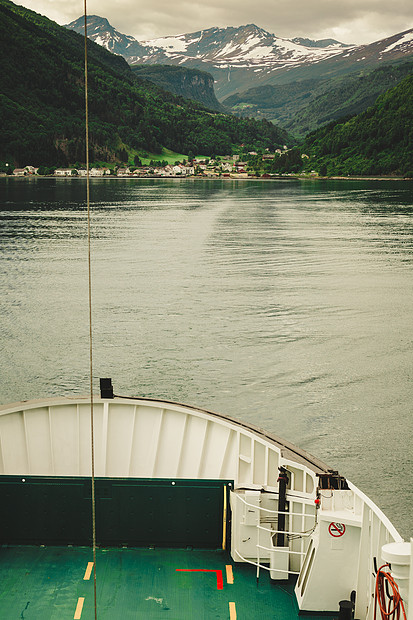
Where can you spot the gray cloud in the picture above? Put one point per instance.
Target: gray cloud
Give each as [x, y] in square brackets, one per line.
[350, 21]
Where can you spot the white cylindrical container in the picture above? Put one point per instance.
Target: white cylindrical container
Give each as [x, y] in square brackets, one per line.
[398, 555]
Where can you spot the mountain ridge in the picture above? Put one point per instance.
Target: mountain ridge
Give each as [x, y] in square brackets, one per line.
[247, 56]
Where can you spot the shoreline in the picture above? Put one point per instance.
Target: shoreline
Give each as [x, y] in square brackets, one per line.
[286, 177]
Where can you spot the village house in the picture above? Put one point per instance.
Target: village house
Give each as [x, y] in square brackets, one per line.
[168, 171]
[239, 175]
[96, 172]
[123, 172]
[241, 166]
[19, 172]
[65, 172]
[227, 166]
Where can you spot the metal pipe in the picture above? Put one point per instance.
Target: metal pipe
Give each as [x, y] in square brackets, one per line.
[282, 492]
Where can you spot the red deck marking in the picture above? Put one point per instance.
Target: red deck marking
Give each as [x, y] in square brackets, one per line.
[220, 579]
[336, 529]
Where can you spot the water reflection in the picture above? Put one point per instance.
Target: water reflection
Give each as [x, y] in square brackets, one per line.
[287, 304]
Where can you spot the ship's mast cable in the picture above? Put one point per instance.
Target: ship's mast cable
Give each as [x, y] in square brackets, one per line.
[92, 443]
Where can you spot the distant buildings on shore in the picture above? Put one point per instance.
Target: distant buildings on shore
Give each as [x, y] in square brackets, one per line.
[226, 166]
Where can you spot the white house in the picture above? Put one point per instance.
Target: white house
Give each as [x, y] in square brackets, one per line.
[64, 172]
[123, 172]
[227, 167]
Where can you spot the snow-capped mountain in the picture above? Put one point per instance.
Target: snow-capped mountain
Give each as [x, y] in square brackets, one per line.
[104, 34]
[246, 46]
[239, 58]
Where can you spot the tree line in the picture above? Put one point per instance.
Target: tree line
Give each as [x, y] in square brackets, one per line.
[42, 103]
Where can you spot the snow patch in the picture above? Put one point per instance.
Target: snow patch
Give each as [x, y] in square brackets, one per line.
[101, 41]
[257, 53]
[172, 44]
[228, 49]
[405, 39]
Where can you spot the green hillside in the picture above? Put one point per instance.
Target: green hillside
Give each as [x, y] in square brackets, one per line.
[276, 102]
[42, 103]
[346, 96]
[377, 142]
[305, 105]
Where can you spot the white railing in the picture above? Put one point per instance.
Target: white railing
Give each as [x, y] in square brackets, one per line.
[293, 536]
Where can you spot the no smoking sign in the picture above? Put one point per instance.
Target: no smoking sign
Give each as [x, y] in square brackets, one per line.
[336, 529]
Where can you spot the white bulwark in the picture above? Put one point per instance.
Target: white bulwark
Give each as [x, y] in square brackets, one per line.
[331, 534]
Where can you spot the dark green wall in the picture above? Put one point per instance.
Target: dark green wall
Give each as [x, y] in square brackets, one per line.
[133, 512]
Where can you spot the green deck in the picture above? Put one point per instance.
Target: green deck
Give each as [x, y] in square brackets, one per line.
[46, 583]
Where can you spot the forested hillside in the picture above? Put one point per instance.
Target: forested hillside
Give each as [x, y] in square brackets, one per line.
[305, 105]
[346, 96]
[42, 103]
[377, 142]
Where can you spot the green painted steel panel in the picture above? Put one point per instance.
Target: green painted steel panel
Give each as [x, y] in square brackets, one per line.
[132, 512]
[46, 583]
[39, 510]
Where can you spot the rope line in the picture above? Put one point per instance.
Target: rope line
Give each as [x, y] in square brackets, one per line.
[92, 442]
[390, 604]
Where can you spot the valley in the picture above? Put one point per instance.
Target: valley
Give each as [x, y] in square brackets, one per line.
[327, 108]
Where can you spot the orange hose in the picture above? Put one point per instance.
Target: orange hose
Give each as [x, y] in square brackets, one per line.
[385, 604]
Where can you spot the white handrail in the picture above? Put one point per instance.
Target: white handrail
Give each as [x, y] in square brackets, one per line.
[280, 549]
[289, 533]
[268, 568]
[282, 512]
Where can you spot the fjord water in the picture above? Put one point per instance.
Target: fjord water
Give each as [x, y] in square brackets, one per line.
[285, 303]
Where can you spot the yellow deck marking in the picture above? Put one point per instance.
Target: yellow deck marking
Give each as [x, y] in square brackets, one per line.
[88, 571]
[230, 575]
[224, 521]
[79, 608]
[232, 611]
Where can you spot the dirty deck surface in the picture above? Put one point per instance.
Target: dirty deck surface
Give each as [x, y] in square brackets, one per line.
[55, 583]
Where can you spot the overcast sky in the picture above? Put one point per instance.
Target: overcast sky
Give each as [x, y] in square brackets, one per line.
[349, 21]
